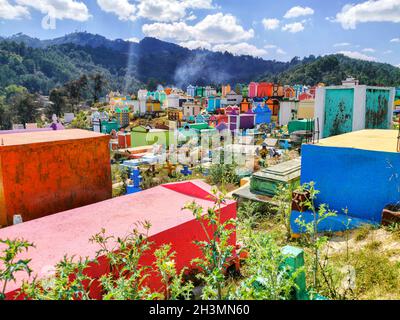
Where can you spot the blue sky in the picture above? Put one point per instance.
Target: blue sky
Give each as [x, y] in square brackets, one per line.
[365, 29]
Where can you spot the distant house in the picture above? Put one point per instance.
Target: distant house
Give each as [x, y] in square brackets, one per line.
[153, 105]
[232, 98]
[191, 90]
[122, 117]
[213, 103]
[263, 114]
[253, 89]
[142, 136]
[191, 109]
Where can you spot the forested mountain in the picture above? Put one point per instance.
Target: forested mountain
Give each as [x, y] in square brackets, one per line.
[332, 69]
[41, 65]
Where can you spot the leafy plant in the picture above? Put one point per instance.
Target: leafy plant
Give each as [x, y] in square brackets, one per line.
[10, 262]
[69, 282]
[315, 241]
[174, 286]
[125, 281]
[264, 271]
[216, 249]
[283, 201]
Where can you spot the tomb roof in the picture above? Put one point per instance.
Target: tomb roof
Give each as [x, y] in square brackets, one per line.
[369, 139]
[25, 138]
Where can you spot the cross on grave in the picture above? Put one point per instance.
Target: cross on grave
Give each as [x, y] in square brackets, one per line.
[170, 168]
[186, 171]
[285, 144]
[136, 179]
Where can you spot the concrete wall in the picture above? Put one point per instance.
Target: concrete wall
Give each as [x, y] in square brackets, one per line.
[306, 109]
[360, 180]
[341, 113]
[285, 112]
[44, 178]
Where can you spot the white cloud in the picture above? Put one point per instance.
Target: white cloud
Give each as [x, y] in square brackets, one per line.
[388, 52]
[121, 8]
[278, 50]
[370, 50]
[298, 11]
[398, 66]
[195, 44]
[369, 11]
[395, 40]
[133, 39]
[59, 9]
[270, 24]
[342, 44]
[162, 10]
[293, 27]
[9, 11]
[281, 51]
[357, 55]
[216, 28]
[242, 48]
[154, 10]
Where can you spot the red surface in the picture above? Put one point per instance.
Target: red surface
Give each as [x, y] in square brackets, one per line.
[68, 232]
[42, 173]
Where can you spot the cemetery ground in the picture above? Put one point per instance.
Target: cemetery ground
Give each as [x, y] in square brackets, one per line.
[373, 252]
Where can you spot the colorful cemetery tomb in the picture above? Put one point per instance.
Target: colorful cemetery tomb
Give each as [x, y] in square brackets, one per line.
[172, 101]
[35, 182]
[191, 109]
[67, 233]
[277, 91]
[225, 90]
[191, 90]
[264, 90]
[354, 171]
[300, 125]
[174, 114]
[96, 122]
[299, 89]
[217, 119]
[274, 106]
[108, 126]
[245, 105]
[263, 114]
[153, 105]
[245, 91]
[289, 93]
[136, 180]
[266, 181]
[241, 121]
[253, 90]
[122, 116]
[306, 96]
[142, 136]
[210, 91]
[287, 112]
[200, 119]
[200, 92]
[213, 103]
[342, 109]
[124, 140]
[305, 109]
[232, 98]
[222, 127]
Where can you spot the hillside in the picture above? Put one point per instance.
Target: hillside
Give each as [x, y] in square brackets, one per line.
[41, 64]
[332, 69]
